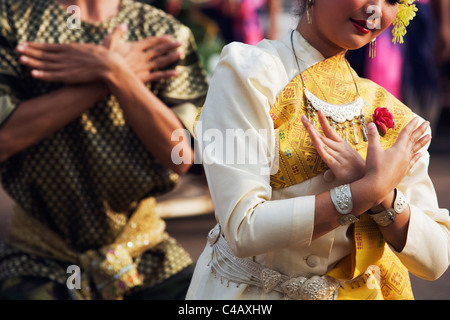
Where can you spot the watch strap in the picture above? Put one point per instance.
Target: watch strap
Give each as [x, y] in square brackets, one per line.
[387, 216]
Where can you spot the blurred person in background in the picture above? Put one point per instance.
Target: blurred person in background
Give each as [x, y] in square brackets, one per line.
[218, 22]
[238, 20]
[89, 98]
[441, 9]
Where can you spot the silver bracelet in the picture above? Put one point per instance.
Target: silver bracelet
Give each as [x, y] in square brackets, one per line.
[342, 199]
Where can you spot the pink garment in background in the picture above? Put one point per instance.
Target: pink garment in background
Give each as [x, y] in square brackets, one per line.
[387, 67]
[248, 23]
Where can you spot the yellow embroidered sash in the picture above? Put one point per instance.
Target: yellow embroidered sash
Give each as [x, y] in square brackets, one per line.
[331, 81]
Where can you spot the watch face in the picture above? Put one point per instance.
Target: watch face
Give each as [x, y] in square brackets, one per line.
[385, 218]
[390, 214]
[347, 219]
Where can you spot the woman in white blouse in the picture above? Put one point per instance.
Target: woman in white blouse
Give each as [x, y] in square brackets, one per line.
[292, 211]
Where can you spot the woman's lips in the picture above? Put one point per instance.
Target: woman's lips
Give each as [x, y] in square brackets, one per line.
[361, 25]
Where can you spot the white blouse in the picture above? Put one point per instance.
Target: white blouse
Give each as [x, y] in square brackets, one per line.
[275, 227]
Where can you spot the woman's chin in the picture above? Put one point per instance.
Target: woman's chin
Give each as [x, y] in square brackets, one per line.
[353, 45]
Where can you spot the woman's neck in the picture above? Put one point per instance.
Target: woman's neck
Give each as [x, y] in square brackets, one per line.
[314, 38]
[94, 10]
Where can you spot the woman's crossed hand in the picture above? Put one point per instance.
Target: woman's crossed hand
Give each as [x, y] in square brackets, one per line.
[345, 163]
[386, 168]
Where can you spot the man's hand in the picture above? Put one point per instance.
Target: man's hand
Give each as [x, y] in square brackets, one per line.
[83, 63]
[147, 58]
[69, 63]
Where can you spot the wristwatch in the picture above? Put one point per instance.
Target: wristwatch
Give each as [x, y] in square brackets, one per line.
[387, 216]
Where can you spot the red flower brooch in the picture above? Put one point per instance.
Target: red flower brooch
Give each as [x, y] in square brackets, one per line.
[383, 119]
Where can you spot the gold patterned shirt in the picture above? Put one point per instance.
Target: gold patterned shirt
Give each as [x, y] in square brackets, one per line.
[73, 180]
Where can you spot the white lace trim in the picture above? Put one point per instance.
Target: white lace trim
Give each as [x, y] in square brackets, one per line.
[337, 112]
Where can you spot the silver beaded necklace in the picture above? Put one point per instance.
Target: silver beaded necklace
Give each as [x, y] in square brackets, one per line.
[341, 117]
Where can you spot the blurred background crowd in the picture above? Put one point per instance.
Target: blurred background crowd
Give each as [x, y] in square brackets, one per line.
[218, 22]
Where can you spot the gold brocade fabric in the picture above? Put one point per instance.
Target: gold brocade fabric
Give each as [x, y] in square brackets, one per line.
[331, 81]
[112, 267]
[377, 272]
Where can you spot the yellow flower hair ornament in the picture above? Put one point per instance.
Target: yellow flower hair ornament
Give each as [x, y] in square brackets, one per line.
[406, 12]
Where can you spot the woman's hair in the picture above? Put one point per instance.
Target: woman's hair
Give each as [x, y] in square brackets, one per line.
[301, 7]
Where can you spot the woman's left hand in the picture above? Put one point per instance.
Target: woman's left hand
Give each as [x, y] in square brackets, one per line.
[346, 164]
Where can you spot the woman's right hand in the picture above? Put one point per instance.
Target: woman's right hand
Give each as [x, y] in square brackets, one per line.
[386, 168]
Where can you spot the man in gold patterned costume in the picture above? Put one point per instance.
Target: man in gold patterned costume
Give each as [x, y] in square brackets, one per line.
[87, 109]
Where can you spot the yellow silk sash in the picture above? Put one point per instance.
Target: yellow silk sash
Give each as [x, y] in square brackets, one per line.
[376, 271]
[112, 267]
